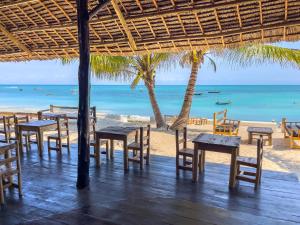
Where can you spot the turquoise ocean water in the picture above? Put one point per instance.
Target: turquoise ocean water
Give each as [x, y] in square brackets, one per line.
[255, 103]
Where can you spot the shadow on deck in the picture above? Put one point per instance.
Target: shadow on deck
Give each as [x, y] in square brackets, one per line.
[153, 196]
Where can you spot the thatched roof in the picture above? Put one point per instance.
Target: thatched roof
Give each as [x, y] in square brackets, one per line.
[46, 29]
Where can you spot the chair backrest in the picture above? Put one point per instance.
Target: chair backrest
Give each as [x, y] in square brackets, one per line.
[144, 136]
[181, 138]
[219, 118]
[93, 123]
[9, 156]
[20, 119]
[260, 149]
[7, 123]
[62, 126]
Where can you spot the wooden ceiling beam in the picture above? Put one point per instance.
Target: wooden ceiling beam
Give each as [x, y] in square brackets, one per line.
[14, 40]
[101, 5]
[16, 2]
[193, 36]
[143, 15]
[124, 23]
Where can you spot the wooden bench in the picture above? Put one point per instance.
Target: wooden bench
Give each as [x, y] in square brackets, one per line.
[224, 126]
[71, 112]
[292, 131]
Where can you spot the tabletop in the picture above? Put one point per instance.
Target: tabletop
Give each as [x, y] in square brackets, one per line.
[52, 115]
[38, 123]
[264, 130]
[118, 130]
[212, 139]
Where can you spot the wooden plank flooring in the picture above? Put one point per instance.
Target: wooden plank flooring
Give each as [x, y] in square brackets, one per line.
[153, 196]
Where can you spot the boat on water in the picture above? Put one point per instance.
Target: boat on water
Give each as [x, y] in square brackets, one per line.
[213, 92]
[223, 102]
[198, 93]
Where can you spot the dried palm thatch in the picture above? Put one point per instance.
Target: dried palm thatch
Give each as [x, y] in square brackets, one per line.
[46, 29]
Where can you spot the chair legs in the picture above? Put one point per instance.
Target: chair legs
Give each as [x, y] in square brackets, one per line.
[58, 145]
[1, 191]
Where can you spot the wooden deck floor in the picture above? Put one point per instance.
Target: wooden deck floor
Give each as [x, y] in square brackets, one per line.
[153, 196]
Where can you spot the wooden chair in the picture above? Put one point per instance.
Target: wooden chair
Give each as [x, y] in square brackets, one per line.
[93, 123]
[224, 126]
[186, 153]
[62, 134]
[6, 123]
[9, 167]
[28, 136]
[246, 163]
[141, 147]
[292, 131]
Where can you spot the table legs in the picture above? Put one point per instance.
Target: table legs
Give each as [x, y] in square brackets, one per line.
[249, 138]
[233, 168]
[195, 164]
[97, 152]
[126, 164]
[40, 142]
[270, 139]
[111, 149]
[20, 140]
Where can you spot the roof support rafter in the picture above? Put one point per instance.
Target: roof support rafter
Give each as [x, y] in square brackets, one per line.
[124, 24]
[14, 40]
[101, 5]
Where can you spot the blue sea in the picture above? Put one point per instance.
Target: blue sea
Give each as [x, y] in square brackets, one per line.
[252, 103]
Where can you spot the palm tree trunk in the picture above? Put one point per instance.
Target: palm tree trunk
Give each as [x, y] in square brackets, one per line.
[183, 117]
[157, 114]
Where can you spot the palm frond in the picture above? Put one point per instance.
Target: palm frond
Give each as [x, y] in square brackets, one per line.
[136, 81]
[111, 67]
[212, 63]
[258, 54]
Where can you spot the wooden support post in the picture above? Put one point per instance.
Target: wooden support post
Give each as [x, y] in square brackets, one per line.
[84, 95]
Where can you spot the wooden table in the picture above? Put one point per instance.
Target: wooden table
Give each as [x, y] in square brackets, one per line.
[114, 133]
[38, 126]
[263, 131]
[52, 116]
[216, 143]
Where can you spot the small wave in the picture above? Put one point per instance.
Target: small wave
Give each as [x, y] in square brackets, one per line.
[12, 87]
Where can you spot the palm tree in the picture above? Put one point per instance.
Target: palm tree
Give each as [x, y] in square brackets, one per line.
[142, 68]
[242, 56]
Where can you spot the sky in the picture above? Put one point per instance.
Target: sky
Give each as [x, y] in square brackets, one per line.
[53, 72]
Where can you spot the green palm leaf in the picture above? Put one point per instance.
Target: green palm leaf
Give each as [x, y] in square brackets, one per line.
[259, 54]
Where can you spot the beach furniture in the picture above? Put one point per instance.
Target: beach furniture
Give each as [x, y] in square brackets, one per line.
[9, 167]
[244, 164]
[6, 123]
[260, 131]
[197, 121]
[224, 126]
[292, 131]
[115, 133]
[140, 147]
[216, 143]
[182, 151]
[62, 133]
[93, 139]
[38, 126]
[30, 137]
[69, 111]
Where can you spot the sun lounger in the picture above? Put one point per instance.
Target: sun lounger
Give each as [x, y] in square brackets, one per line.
[224, 126]
[292, 131]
